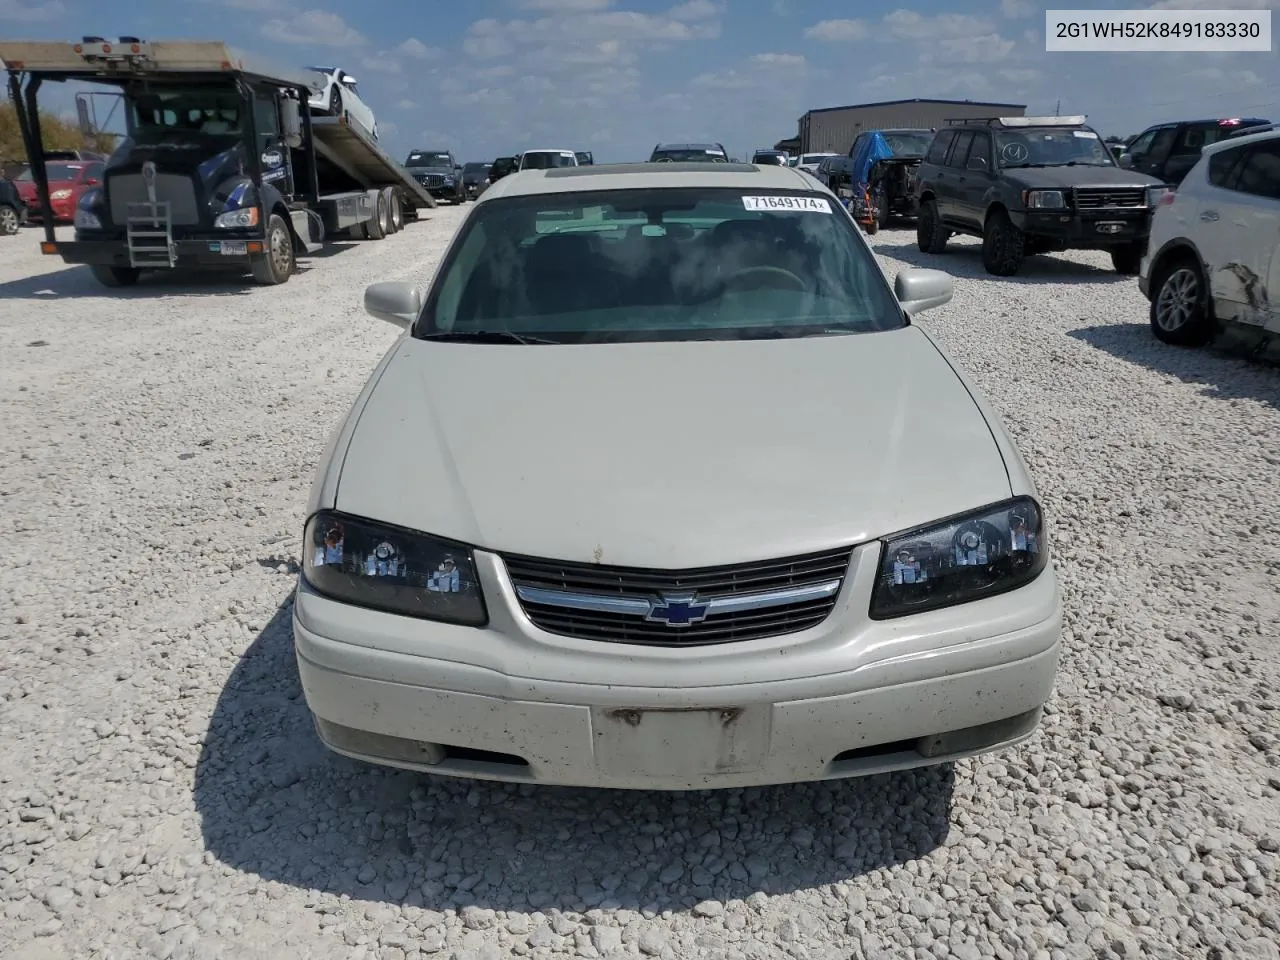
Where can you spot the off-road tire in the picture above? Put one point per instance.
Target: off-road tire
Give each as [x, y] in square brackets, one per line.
[335, 101]
[115, 276]
[10, 222]
[1127, 260]
[1003, 245]
[275, 265]
[931, 233]
[1179, 312]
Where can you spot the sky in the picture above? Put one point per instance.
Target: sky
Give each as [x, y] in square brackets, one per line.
[488, 78]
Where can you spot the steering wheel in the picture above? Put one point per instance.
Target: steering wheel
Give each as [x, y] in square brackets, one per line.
[790, 280]
[1015, 151]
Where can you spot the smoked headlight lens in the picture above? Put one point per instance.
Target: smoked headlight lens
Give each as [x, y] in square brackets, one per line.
[389, 568]
[976, 555]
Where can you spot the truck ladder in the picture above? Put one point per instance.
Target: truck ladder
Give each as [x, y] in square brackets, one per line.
[149, 230]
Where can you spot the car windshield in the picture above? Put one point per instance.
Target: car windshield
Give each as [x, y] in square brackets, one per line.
[426, 158]
[693, 154]
[811, 158]
[184, 116]
[1051, 147]
[547, 159]
[658, 265]
[58, 173]
[909, 143]
[774, 158]
[475, 168]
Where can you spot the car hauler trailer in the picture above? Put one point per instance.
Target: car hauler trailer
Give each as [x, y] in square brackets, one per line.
[223, 165]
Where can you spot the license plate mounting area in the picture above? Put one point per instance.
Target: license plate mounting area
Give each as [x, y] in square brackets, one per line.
[695, 742]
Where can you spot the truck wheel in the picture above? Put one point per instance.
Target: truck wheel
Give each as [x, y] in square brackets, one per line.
[1180, 307]
[374, 227]
[397, 211]
[10, 222]
[1127, 259]
[335, 101]
[931, 233]
[388, 223]
[115, 276]
[882, 209]
[276, 265]
[1003, 245]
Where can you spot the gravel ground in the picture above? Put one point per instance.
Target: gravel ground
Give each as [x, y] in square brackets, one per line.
[162, 793]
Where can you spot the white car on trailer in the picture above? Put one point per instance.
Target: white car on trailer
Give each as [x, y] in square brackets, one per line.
[335, 93]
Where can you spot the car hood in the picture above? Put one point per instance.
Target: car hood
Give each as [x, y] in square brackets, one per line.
[1034, 178]
[424, 168]
[670, 454]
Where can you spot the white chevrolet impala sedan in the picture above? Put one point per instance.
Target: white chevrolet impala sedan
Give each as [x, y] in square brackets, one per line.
[662, 487]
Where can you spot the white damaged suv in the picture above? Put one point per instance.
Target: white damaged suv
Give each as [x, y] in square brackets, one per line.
[662, 488]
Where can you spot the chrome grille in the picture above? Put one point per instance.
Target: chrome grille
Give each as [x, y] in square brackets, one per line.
[431, 180]
[1110, 198]
[178, 191]
[597, 602]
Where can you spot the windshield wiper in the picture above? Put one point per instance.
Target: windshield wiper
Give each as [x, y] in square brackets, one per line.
[484, 336]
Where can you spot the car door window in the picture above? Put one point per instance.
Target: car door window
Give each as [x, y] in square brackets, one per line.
[1161, 144]
[980, 149]
[938, 149]
[961, 149]
[1260, 173]
[1142, 143]
[1192, 139]
[1224, 168]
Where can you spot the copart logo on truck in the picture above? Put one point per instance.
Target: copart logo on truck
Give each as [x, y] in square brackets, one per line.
[272, 158]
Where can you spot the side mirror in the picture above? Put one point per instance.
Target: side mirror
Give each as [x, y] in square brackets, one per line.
[457, 168]
[397, 303]
[977, 163]
[919, 290]
[349, 80]
[291, 122]
[1125, 160]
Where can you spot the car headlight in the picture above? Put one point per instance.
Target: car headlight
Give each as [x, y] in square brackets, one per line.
[976, 555]
[390, 568]
[1045, 200]
[233, 219]
[60, 194]
[448, 181]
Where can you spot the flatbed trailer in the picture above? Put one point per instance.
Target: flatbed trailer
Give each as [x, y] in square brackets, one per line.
[224, 166]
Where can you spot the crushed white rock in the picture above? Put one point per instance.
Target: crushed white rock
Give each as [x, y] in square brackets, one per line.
[162, 793]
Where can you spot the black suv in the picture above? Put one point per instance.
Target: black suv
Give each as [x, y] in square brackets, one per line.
[501, 168]
[1029, 185]
[836, 172]
[439, 173]
[1169, 150]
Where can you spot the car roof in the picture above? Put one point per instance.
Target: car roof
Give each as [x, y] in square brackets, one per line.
[648, 176]
[547, 150]
[1262, 136]
[688, 146]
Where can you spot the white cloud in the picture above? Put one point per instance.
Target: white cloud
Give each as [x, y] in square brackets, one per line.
[566, 6]
[761, 71]
[381, 64]
[917, 27]
[20, 12]
[838, 31]
[696, 10]
[314, 28]
[1015, 9]
[991, 48]
[413, 47]
[406, 105]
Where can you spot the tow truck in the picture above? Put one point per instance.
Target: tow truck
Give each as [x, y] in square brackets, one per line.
[223, 164]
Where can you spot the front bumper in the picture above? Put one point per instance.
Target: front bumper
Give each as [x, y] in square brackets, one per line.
[847, 698]
[192, 251]
[1100, 230]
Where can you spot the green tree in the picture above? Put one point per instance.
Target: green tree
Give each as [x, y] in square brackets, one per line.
[56, 133]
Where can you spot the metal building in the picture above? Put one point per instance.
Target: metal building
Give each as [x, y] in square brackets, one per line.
[834, 128]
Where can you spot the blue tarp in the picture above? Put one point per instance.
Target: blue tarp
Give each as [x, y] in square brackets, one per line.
[874, 148]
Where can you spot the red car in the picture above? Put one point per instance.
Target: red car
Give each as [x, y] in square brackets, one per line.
[68, 180]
